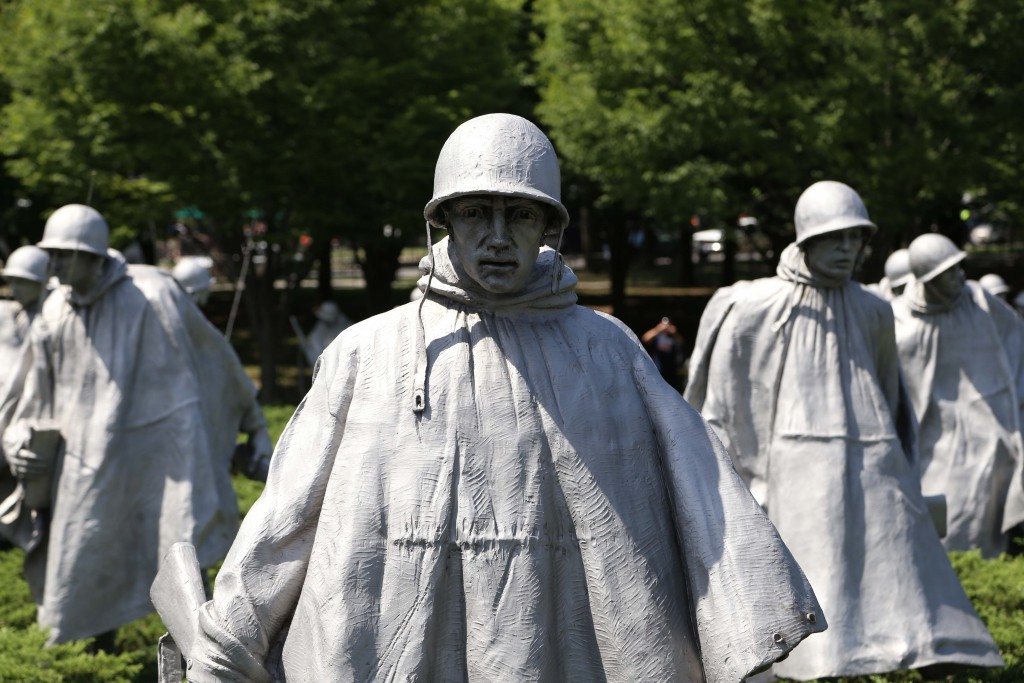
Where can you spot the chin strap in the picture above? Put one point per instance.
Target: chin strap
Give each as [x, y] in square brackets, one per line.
[419, 395]
[556, 274]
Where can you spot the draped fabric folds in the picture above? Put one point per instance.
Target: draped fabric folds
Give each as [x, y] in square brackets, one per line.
[149, 398]
[799, 377]
[556, 512]
[964, 364]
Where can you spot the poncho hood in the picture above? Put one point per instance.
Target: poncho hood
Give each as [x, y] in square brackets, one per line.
[793, 268]
[452, 282]
[115, 269]
[926, 301]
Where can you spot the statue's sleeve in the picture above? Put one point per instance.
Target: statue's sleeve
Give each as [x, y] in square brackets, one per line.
[894, 387]
[27, 394]
[707, 334]
[751, 602]
[259, 584]
[1009, 329]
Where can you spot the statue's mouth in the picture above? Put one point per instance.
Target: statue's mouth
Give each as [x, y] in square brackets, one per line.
[498, 264]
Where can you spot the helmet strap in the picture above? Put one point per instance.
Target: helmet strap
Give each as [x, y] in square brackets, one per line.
[556, 274]
[419, 395]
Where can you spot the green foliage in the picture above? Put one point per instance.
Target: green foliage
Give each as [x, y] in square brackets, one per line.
[23, 657]
[673, 108]
[323, 114]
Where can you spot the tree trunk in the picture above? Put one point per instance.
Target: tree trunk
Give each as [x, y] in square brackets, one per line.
[379, 265]
[618, 243]
[260, 290]
[729, 239]
[685, 256]
[324, 288]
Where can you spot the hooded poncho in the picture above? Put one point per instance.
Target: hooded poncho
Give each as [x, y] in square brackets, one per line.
[964, 365]
[15, 525]
[321, 336]
[555, 512]
[149, 398]
[800, 378]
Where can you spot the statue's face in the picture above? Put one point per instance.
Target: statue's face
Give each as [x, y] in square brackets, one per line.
[948, 283]
[200, 297]
[78, 269]
[497, 239]
[25, 292]
[834, 254]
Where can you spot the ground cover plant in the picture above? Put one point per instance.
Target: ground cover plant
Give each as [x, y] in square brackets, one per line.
[996, 587]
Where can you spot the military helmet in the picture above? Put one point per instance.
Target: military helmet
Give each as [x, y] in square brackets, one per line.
[499, 154]
[328, 312]
[897, 268]
[193, 274]
[77, 227]
[829, 206]
[28, 263]
[994, 284]
[931, 255]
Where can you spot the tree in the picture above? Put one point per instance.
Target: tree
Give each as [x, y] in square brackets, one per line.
[722, 107]
[316, 116]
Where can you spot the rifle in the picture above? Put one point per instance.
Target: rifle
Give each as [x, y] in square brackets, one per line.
[177, 593]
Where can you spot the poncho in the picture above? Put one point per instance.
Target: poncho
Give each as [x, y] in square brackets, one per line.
[964, 365]
[556, 512]
[800, 378]
[149, 398]
[321, 336]
[16, 524]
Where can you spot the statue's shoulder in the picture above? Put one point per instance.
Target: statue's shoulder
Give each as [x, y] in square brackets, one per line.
[747, 297]
[604, 326]
[150, 279]
[871, 302]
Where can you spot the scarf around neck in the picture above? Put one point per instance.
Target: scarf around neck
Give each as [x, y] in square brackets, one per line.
[793, 268]
[451, 281]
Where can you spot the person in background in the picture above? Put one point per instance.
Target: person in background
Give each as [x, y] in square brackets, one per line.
[665, 345]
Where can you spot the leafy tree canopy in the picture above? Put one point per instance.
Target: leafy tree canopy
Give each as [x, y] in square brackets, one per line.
[674, 108]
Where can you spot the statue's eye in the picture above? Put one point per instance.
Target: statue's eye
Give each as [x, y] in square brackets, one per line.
[524, 215]
[472, 213]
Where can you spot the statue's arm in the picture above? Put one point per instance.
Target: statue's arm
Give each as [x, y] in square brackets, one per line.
[259, 584]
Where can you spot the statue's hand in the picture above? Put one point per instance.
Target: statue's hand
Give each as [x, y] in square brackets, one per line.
[262, 448]
[27, 465]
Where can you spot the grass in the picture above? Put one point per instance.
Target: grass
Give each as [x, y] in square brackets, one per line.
[996, 587]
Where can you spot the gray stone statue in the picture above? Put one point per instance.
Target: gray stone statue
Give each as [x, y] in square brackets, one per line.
[192, 273]
[330, 322]
[995, 285]
[495, 484]
[962, 353]
[145, 399]
[26, 272]
[799, 375]
[897, 275]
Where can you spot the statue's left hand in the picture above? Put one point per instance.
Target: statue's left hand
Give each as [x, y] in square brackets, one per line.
[27, 465]
[262, 448]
